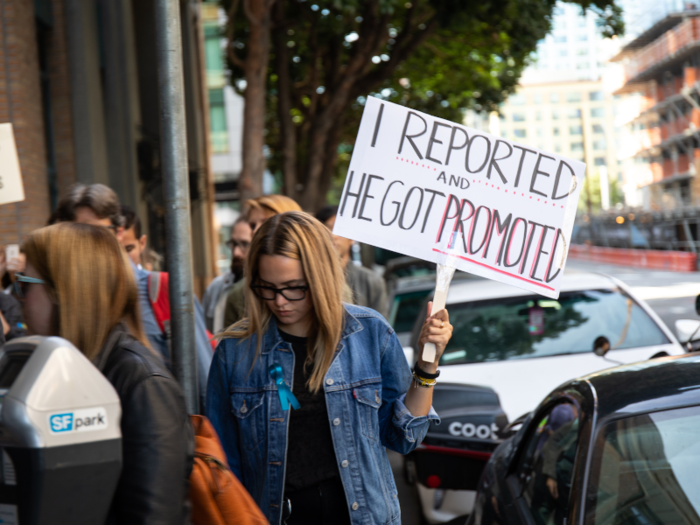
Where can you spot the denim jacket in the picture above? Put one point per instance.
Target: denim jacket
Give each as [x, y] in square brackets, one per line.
[364, 388]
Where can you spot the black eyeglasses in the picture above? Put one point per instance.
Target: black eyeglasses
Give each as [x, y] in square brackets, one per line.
[20, 283]
[268, 293]
[243, 245]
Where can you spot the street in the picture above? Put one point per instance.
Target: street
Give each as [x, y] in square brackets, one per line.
[670, 294]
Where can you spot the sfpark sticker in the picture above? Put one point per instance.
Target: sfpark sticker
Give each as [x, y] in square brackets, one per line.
[83, 420]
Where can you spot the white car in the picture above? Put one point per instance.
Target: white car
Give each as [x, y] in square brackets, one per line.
[524, 345]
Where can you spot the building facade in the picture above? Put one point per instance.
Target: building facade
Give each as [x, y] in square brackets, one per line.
[662, 66]
[78, 81]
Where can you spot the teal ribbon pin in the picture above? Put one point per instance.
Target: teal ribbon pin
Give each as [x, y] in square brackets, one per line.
[285, 393]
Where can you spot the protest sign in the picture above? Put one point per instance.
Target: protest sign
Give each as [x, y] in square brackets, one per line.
[436, 190]
[11, 189]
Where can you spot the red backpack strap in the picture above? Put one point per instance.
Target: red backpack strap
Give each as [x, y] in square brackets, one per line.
[159, 295]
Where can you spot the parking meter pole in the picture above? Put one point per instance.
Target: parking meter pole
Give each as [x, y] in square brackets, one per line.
[173, 150]
[443, 279]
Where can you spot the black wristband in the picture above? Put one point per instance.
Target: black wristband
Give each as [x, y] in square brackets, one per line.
[425, 375]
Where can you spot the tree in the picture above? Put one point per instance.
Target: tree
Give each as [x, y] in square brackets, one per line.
[254, 67]
[438, 56]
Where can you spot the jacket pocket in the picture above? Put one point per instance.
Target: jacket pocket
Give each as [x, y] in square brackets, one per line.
[369, 399]
[247, 408]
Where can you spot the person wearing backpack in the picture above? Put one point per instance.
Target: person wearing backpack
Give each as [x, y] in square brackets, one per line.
[307, 392]
[78, 285]
[154, 298]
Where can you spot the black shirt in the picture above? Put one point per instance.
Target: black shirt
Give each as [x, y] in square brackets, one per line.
[310, 453]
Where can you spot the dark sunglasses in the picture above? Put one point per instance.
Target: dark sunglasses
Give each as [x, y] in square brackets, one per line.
[268, 293]
[20, 284]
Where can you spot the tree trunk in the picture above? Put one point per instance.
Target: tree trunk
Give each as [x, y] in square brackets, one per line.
[330, 155]
[287, 142]
[258, 13]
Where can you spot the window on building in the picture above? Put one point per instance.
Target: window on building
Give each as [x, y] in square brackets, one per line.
[599, 161]
[582, 38]
[560, 39]
[576, 146]
[597, 128]
[555, 115]
[538, 115]
[555, 132]
[517, 99]
[519, 133]
[583, 65]
[563, 53]
[582, 51]
[537, 98]
[554, 98]
[557, 148]
[597, 112]
[596, 96]
[214, 57]
[599, 144]
[217, 121]
[518, 117]
[575, 130]
[574, 113]
[573, 97]
[539, 132]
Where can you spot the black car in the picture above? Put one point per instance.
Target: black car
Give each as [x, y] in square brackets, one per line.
[619, 447]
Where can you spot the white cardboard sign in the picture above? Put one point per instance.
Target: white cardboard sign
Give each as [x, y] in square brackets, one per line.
[436, 190]
[11, 188]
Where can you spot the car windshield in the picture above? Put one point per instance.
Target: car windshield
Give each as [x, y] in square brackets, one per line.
[405, 308]
[534, 326]
[644, 470]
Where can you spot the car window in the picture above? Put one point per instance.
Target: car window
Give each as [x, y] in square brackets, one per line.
[546, 465]
[645, 470]
[406, 308]
[533, 326]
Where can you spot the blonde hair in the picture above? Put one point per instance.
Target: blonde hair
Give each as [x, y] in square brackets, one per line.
[89, 277]
[299, 236]
[272, 203]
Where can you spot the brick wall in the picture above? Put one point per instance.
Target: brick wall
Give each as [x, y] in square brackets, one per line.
[61, 109]
[20, 103]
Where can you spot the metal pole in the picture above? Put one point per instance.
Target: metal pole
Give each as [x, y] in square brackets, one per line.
[176, 194]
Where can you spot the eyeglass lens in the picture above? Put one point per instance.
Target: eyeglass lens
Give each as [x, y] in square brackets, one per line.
[291, 294]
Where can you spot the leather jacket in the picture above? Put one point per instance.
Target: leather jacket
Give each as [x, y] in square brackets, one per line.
[157, 438]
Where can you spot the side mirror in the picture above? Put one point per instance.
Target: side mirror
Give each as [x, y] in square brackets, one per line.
[687, 330]
[697, 305]
[601, 346]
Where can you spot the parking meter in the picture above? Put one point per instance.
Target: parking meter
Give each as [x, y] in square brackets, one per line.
[60, 440]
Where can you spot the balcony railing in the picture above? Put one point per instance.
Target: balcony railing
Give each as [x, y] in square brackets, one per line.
[685, 34]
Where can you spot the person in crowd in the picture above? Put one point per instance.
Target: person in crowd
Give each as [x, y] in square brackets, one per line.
[133, 239]
[90, 204]
[259, 210]
[11, 317]
[157, 329]
[214, 300]
[368, 288]
[307, 391]
[78, 285]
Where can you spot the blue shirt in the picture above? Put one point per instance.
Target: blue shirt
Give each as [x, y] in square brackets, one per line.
[364, 388]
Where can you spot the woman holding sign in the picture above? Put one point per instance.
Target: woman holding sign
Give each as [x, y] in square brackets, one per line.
[307, 391]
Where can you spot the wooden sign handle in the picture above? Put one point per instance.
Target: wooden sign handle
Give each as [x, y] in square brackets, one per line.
[444, 277]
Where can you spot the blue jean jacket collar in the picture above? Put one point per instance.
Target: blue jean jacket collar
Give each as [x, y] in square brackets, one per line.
[272, 339]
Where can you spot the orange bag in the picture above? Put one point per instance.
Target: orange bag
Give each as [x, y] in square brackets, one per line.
[217, 496]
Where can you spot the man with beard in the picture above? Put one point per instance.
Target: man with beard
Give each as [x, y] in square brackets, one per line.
[215, 297]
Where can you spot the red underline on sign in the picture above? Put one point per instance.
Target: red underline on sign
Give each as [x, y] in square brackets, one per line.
[495, 269]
